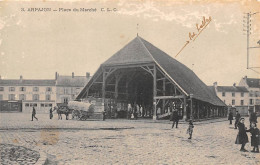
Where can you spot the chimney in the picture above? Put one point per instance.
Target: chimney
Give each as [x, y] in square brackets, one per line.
[56, 75]
[72, 74]
[215, 84]
[87, 74]
[234, 85]
[21, 78]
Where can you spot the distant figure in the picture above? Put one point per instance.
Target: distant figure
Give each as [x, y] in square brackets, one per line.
[238, 116]
[141, 111]
[159, 111]
[255, 137]
[242, 136]
[190, 129]
[252, 118]
[33, 114]
[175, 118]
[230, 117]
[51, 115]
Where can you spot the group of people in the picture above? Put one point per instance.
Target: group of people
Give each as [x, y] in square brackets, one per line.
[34, 113]
[175, 120]
[242, 137]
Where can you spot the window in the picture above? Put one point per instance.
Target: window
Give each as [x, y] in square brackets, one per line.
[48, 97]
[233, 102]
[42, 105]
[22, 97]
[1, 88]
[242, 94]
[22, 89]
[65, 100]
[35, 89]
[223, 94]
[242, 102]
[11, 97]
[1, 97]
[27, 105]
[233, 94]
[50, 105]
[35, 97]
[35, 104]
[66, 91]
[251, 101]
[48, 89]
[251, 93]
[11, 89]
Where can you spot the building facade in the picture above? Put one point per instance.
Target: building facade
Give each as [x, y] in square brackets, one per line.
[235, 97]
[68, 87]
[22, 94]
[253, 86]
[38, 93]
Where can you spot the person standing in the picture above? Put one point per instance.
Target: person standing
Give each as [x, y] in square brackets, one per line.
[51, 115]
[33, 114]
[252, 118]
[175, 118]
[230, 117]
[190, 129]
[254, 137]
[242, 136]
[238, 116]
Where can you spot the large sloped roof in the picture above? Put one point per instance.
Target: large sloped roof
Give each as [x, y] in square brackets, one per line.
[231, 89]
[26, 82]
[140, 51]
[68, 81]
[253, 82]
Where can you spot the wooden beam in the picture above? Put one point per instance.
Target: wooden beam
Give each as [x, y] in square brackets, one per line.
[163, 107]
[169, 97]
[161, 79]
[154, 92]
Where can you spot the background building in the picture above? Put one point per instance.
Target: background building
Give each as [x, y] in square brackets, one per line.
[253, 86]
[236, 97]
[22, 94]
[68, 87]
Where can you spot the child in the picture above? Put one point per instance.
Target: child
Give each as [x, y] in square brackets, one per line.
[190, 129]
[255, 137]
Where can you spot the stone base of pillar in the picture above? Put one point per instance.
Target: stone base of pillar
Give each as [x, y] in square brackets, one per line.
[154, 117]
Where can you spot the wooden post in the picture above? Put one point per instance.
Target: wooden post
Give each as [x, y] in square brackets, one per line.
[163, 107]
[103, 86]
[185, 108]
[154, 92]
[198, 106]
[191, 107]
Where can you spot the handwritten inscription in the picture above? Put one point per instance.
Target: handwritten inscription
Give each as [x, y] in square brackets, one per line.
[193, 35]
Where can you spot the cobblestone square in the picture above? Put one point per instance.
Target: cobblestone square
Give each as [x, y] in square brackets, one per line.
[124, 141]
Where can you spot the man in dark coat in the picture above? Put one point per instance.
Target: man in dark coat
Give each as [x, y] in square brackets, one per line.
[238, 116]
[33, 114]
[242, 136]
[230, 117]
[175, 118]
[253, 118]
[51, 114]
[255, 137]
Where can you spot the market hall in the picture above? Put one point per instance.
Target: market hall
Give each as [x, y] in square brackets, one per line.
[142, 79]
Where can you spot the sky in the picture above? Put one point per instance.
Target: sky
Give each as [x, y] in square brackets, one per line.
[38, 44]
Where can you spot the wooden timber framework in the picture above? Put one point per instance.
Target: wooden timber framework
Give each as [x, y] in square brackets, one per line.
[115, 82]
